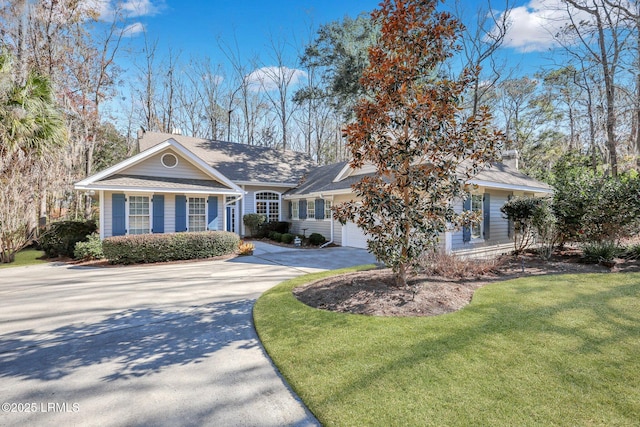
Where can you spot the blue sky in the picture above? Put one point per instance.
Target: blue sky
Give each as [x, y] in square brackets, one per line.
[194, 27]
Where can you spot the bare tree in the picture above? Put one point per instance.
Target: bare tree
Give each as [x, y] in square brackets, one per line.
[241, 93]
[603, 42]
[276, 79]
[480, 42]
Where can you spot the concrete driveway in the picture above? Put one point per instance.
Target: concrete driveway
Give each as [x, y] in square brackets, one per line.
[157, 345]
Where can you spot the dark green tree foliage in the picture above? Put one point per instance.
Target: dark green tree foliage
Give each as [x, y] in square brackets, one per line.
[60, 238]
[340, 51]
[112, 147]
[532, 219]
[592, 207]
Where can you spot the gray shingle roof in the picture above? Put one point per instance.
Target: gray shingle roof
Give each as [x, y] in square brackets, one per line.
[321, 179]
[502, 174]
[241, 162]
[137, 181]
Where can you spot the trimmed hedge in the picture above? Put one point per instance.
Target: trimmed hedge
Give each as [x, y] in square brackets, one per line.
[317, 239]
[281, 227]
[287, 238]
[275, 236]
[61, 237]
[148, 248]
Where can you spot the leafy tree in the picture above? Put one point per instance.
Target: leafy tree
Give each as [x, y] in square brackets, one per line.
[340, 52]
[410, 129]
[533, 221]
[592, 207]
[31, 128]
[111, 147]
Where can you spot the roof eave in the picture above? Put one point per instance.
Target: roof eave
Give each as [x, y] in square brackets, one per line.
[338, 192]
[512, 187]
[176, 190]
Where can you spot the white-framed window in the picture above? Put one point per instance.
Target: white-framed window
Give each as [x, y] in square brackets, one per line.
[197, 213]
[139, 215]
[476, 206]
[169, 160]
[311, 209]
[268, 204]
[295, 209]
[327, 209]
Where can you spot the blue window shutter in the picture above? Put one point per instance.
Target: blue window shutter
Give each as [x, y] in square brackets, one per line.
[118, 215]
[486, 212]
[319, 208]
[158, 214]
[212, 212]
[290, 209]
[302, 209]
[510, 222]
[181, 213]
[466, 231]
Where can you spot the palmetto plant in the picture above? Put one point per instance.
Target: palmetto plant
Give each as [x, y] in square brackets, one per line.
[31, 128]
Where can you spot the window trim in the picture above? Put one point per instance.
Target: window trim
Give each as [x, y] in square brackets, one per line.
[480, 223]
[167, 166]
[328, 213]
[268, 201]
[311, 209]
[127, 207]
[189, 215]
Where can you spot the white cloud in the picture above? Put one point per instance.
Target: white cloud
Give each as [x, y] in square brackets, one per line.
[266, 79]
[133, 29]
[533, 26]
[134, 8]
[107, 9]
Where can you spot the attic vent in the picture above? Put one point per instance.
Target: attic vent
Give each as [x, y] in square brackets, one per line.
[169, 160]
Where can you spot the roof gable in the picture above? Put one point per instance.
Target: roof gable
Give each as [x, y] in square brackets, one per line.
[241, 163]
[189, 167]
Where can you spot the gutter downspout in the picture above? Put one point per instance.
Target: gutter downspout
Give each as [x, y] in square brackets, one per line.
[242, 213]
[332, 225]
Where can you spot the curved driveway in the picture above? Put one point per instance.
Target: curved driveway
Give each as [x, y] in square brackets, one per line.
[155, 345]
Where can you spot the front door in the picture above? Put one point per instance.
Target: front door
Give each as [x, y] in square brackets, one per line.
[231, 215]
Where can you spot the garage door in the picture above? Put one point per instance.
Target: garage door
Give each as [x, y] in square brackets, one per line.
[353, 236]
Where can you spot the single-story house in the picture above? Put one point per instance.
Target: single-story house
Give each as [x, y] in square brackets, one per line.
[178, 183]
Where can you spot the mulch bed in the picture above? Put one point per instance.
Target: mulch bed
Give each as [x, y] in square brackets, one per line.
[375, 293]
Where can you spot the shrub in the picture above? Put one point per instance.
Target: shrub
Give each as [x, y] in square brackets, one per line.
[245, 248]
[147, 248]
[632, 252]
[595, 252]
[89, 250]
[288, 238]
[275, 236]
[592, 207]
[452, 266]
[60, 238]
[316, 239]
[253, 222]
[281, 227]
[533, 221]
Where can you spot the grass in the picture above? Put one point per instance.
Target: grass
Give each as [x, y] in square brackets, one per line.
[540, 351]
[26, 257]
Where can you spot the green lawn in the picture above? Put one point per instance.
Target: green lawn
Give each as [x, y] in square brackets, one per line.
[26, 257]
[543, 351]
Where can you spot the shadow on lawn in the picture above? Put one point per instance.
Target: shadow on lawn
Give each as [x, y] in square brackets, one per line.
[138, 342]
[589, 316]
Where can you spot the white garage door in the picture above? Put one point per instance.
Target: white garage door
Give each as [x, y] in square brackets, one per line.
[353, 236]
